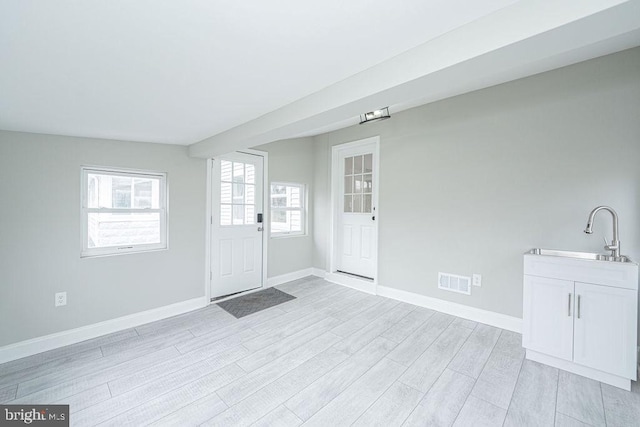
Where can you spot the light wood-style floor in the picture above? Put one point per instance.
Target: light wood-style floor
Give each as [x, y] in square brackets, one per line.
[333, 356]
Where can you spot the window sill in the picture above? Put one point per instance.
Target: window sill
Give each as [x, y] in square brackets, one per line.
[84, 255]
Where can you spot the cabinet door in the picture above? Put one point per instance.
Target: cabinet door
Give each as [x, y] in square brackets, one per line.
[605, 329]
[548, 316]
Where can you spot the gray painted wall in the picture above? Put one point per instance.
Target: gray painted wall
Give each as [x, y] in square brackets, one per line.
[291, 161]
[40, 236]
[470, 183]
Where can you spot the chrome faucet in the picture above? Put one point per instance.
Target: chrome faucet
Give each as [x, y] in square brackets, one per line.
[614, 247]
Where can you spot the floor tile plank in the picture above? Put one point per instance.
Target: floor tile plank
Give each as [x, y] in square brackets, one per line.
[279, 417]
[66, 351]
[356, 399]
[265, 400]
[473, 355]
[318, 394]
[86, 398]
[534, 399]
[479, 413]
[84, 358]
[8, 393]
[563, 420]
[392, 408]
[249, 384]
[442, 404]
[179, 398]
[426, 370]
[139, 396]
[407, 325]
[59, 388]
[415, 344]
[271, 352]
[360, 338]
[580, 398]
[194, 413]
[622, 408]
[500, 374]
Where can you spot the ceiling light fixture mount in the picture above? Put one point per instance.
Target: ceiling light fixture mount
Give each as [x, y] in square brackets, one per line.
[374, 116]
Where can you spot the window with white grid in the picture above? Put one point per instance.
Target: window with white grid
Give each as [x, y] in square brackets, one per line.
[123, 211]
[287, 209]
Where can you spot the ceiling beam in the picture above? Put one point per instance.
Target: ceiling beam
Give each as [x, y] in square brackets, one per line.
[528, 37]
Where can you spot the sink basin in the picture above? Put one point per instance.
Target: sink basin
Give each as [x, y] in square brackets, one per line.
[578, 255]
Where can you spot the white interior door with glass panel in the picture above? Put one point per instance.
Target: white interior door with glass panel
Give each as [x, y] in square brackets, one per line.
[237, 228]
[356, 237]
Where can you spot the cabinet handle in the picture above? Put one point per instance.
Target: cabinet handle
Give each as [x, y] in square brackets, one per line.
[578, 306]
[569, 305]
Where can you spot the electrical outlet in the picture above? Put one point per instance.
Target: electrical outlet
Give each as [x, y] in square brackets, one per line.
[477, 280]
[61, 299]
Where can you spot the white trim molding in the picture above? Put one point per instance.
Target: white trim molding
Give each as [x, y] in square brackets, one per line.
[364, 285]
[487, 317]
[289, 277]
[73, 336]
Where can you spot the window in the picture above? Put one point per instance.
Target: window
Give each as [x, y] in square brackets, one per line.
[287, 209]
[123, 211]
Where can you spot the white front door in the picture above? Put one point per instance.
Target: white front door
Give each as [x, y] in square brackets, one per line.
[236, 228]
[356, 231]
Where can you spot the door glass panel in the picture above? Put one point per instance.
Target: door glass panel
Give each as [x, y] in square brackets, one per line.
[250, 194]
[225, 192]
[238, 214]
[368, 163]
[250, 174]
[348, 184]
[366, 207]
[357, 203]
[238, 172]
[367, 184]
[357, 183]
[348, 166]
[225, 171]
[357, 164]
[348, 203]
[237, 193]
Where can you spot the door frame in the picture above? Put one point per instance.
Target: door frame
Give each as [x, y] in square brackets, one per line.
[208, 274]
[336, 180]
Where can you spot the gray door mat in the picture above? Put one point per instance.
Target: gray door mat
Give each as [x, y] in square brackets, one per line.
[257, 301]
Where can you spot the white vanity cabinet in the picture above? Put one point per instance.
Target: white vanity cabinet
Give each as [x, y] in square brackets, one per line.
[581, 322]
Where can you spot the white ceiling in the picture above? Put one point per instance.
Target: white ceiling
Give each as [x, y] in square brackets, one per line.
[223, 75]
[179, 71]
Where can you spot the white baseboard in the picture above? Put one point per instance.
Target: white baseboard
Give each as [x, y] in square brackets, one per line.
[72, 336]
[289, 277]
[492, 318]
[363, 285]
[318, 272]
[603, 377]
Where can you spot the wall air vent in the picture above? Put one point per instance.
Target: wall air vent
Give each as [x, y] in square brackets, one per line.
[454, 283]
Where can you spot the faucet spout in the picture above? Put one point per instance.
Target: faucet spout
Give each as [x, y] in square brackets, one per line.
[614, 247]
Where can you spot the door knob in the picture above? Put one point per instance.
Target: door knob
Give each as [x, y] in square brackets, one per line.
[260, 228]
[373, 218]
